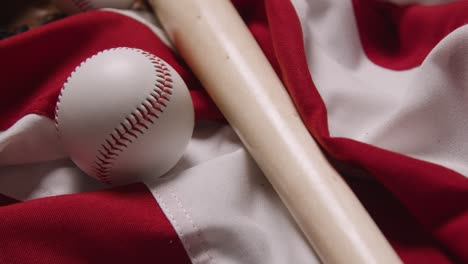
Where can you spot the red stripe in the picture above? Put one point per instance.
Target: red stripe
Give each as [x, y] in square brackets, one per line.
[400, 37]
[121, 225]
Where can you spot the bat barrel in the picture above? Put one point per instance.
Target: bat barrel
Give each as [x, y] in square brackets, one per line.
[216, 44]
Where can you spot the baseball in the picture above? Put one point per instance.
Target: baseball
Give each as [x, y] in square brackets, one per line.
[76, 6]
[124, 114]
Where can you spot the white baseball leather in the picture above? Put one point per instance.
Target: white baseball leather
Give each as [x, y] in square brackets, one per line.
[76, 6]
[124, 114]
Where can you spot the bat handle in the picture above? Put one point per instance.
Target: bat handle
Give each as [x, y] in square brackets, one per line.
[218, 47]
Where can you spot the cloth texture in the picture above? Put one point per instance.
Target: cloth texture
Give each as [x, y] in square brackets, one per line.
[380, 85]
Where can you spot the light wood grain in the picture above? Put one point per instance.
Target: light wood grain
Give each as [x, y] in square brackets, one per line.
[218, 47]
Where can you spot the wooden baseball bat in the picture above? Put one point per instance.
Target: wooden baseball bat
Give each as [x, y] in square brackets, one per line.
[216, 44]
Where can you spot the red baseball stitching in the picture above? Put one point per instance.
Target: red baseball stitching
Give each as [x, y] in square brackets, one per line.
[134, 123]
[83, 5]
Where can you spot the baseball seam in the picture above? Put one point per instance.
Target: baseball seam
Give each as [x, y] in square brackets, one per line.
[135, 123]
[83, 5]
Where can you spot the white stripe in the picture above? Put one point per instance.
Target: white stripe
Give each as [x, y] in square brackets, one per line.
[419, 112]
[225, 211]
[31, 139]
[33, 163]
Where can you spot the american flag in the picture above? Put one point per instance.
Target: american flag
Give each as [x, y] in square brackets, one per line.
[381, 85]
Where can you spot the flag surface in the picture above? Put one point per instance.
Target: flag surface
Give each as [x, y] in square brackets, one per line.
[381, 86]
